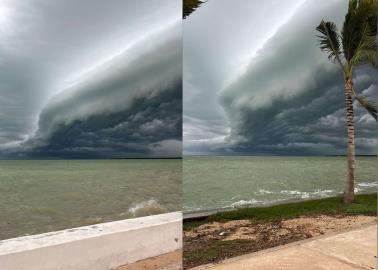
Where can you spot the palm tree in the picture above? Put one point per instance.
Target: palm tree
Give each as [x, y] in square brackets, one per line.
[189, 6]
[355, 45]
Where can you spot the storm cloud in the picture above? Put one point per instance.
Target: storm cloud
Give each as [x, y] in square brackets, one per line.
[125, 103]
[288, 98]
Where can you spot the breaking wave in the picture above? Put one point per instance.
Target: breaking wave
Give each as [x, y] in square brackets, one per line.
[244, 203]
[368, 184]
[146, 208]
[318, 193]
[263, 192]
[365, 186]
[276, 197]
[287, 195]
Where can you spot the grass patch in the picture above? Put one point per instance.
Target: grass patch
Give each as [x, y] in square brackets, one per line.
[365, 204]
[214, 252]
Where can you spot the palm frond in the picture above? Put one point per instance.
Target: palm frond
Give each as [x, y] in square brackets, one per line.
[359, 30]
[366, 51]
[370, 106]
[329, 40]
[190, 6]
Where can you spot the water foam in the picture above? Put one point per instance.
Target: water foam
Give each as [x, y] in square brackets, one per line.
[363, 186]
[149, 207]
[292, 194]
[243, 203]
[309, 194]
[263, 192]
[322, 193]
[297, 193]
[367, 184]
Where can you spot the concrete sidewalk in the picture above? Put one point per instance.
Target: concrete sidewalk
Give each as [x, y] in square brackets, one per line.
[350, 250]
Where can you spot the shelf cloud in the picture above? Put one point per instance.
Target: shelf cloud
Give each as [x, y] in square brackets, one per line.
[288, 99]
[127, 104]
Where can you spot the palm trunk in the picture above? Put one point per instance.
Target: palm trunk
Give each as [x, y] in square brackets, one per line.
[349, 190]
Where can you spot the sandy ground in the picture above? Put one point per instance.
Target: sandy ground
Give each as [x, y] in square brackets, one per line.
[169, 261]
[239, 237]
[247, 230]
[352, 249]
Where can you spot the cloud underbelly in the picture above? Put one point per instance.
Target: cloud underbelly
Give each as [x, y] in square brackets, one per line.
[130, 105]
[283, 99]
[149, 127]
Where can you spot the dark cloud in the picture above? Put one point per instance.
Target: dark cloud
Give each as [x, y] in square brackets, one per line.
[312, 122]
[151, 127]
[288, 99]
[219, 38]
[105, 84]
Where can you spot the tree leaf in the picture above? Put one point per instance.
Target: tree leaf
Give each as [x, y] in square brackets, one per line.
[329, 40]
[370, 106]
[190, 6]
[359, 31]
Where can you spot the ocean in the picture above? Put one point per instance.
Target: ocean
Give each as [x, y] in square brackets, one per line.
[39, 196]
[220, 182]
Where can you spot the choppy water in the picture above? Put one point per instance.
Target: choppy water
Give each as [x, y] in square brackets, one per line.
[41, 196]
[221, 182]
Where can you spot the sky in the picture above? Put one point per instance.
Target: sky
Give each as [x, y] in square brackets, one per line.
[90, 79]
[256, 83]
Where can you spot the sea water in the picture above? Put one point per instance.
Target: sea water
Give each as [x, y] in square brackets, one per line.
[216, 182]
[38, 196]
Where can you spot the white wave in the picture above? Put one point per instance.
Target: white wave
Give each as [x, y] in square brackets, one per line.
[243, 203]
[322, 193]
[150, 207]
[363, 186]
[263, 191]
[367, 184]
[297, 193]
[291, 192]
[309, 194]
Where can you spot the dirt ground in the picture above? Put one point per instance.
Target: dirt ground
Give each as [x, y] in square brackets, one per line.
[213, 242]
[169, 261]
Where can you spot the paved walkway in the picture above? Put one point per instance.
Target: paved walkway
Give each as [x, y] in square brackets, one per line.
[350, 250]
[169, 261]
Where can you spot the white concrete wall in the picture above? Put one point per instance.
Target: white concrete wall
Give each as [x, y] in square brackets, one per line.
[97, 247]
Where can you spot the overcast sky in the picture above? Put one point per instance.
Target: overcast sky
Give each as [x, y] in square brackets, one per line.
[255, 81]
[90, 78]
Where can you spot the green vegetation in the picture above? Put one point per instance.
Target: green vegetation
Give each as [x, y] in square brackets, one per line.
[215, 251]
[364, 204]
[189, 6]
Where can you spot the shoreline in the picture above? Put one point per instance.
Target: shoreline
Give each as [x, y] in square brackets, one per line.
[203, 214]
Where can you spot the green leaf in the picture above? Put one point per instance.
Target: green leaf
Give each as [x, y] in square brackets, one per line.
[359, 32]
[190, 6]
[329, 40]
[370, 106]
[366, 51]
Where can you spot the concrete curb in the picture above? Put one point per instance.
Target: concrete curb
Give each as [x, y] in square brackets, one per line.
[97, 247]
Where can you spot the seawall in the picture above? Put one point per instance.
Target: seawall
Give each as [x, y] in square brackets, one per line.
[96, 247]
